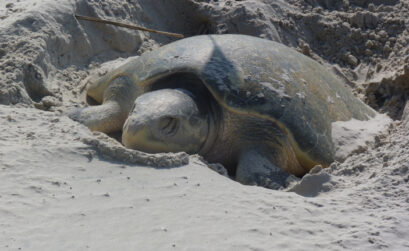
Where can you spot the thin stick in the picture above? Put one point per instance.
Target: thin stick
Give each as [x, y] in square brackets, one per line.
[129, 26]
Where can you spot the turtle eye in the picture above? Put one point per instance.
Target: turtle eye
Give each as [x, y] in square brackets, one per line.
[168, 125]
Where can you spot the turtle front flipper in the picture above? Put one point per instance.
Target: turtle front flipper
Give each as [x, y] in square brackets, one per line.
[262, 166]
[103, 118]
[118, 97]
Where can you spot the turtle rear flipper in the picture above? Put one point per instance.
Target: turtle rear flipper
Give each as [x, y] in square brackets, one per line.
[261, 167]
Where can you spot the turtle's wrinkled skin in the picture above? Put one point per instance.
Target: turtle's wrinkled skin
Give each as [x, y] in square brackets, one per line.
[256, 106]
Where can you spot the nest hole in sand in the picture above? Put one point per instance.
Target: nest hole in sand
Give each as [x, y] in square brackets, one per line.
[389, 95]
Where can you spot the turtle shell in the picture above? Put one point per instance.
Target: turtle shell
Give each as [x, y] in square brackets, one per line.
[258, 77]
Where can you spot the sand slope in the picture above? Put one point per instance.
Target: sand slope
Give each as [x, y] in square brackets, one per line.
[57, 194]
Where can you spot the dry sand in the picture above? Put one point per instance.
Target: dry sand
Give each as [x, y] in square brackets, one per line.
[65, 188]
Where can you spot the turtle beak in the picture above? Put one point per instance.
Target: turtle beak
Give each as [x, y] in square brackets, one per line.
[134, 131]
[149, 132]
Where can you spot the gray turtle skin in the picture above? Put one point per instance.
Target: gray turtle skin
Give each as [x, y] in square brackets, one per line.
[258, 107]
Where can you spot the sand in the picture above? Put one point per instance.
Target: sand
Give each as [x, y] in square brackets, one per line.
[66, 188]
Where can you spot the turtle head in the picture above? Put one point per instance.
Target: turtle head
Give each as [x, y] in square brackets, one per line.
[167, 120]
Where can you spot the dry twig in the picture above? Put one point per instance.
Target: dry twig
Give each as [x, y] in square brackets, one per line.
[129, 26]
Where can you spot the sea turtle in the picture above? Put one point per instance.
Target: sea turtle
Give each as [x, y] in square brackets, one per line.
[261, 109]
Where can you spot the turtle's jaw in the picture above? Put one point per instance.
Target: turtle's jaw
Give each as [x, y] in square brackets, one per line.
[166, 120]
[212, 134]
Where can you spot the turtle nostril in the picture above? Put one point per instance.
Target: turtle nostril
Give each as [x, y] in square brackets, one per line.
[168, 125]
